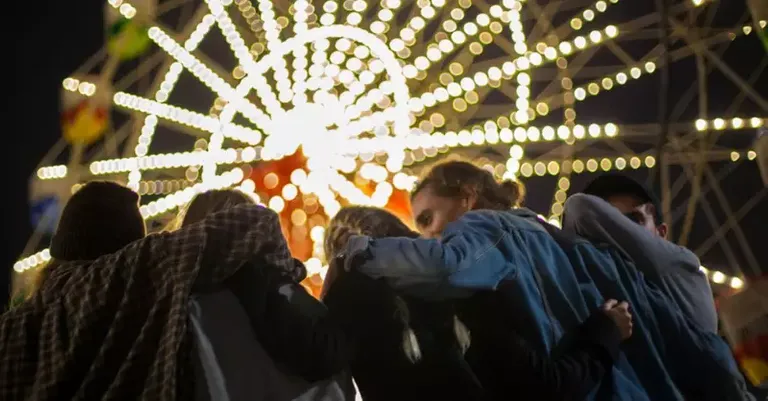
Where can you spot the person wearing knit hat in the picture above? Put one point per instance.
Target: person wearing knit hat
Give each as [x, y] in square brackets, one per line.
[99, 219]
[117, 327]
[617, 210]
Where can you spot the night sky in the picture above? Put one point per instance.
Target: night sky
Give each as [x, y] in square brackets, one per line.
[52, 38]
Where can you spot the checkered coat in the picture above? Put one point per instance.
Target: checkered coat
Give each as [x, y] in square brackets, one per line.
[116, 328]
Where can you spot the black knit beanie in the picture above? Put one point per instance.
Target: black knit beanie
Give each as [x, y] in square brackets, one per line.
[101, 218]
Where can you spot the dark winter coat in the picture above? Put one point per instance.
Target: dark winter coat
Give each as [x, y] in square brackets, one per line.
[371, 318]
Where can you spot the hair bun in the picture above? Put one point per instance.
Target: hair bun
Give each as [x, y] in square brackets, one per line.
[514, 191]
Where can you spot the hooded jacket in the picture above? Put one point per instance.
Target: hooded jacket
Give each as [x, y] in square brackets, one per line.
[672, 268]
[554, 285]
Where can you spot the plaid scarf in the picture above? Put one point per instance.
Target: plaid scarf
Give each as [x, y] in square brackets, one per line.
[116, 328]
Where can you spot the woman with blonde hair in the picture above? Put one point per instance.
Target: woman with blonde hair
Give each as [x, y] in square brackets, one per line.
[480, 239]
[404, 348]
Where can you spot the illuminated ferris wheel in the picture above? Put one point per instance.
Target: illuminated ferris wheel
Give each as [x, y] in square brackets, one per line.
[313, 104]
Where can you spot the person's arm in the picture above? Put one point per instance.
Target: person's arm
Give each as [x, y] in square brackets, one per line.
[467, 257]
[571, 375]
[716, 376]
[309, 339]
[295, 328]
[672, 267]
[202, 255]
[596, 220]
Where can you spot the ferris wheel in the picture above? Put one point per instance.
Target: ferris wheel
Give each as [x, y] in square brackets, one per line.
[309, 105]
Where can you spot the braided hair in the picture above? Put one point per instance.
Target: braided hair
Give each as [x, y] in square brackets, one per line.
[379, 223]
[362, 220]
[458, 178]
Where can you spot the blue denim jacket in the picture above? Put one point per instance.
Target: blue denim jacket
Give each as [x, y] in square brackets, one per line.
[557, 284]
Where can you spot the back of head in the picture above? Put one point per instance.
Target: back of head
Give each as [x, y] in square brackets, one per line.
[212, 201]
[100, 218]
[362, 220]
[458, 178]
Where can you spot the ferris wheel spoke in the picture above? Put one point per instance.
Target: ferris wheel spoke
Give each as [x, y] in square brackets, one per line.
[508, 71]
[370, 123]
[163, 162]
[648, 65]
[197, 27]
[358, 99]
[244, 56]
[187, 117]
[300, 17]
[436, 48]
[209, 78]
[272, 30]
[439, 104]
[412, 32]
[385, 16]
[584, 17]
[179, 198]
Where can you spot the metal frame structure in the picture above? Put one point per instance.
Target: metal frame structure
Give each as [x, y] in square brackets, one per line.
[567, 75]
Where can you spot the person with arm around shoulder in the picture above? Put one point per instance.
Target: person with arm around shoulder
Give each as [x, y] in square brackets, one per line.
[444, 196]
[293, 327]
[617, 210]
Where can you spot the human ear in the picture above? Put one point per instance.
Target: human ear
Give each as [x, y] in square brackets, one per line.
[469, 198]
[662, 229]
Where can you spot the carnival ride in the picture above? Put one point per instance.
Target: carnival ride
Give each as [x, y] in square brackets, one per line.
[312, 105]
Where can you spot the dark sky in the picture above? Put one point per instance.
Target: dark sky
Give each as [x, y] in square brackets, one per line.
[51, 38]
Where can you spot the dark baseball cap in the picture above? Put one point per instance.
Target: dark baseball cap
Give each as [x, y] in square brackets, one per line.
[611, 184]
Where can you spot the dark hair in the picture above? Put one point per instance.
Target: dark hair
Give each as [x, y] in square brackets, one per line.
[458, 178]
[612, 184]
[378, 223]
[209, 202]
[100, 218]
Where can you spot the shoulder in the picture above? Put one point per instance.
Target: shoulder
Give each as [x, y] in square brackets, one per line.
[688, 260]
[580, 203]
[506, 220]
[475, 221]
[482, 217]
[582, 199]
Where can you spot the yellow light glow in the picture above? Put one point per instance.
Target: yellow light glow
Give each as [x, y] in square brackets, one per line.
[359, 89]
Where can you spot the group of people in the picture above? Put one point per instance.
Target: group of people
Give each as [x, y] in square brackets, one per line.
[486, 302]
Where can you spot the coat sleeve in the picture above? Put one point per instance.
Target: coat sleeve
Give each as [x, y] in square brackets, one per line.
[295, 328]
[469, 256]
[572, 374]
[673, 268]
[123, 300]
[596, 220]
[200, 256]
[716, 376]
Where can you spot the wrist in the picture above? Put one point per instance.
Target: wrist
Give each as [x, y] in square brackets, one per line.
[356, 252]
[602, 331]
